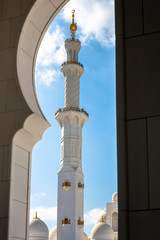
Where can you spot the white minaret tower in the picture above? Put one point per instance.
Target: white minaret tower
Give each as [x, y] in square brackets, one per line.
[70, 217]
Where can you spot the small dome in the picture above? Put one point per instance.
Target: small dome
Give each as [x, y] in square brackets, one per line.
[102, 231]
[102, 217]
[53, 234]
[37, 228]
[115, 197]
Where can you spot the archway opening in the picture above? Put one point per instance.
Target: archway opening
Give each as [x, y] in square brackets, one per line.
[99, 135]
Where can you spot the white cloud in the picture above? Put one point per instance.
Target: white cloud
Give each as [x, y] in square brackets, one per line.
[44, 213]
[47, 76]
[95, 21]
[50, 213]
[91, 217]
[52, 48]
[51, 54]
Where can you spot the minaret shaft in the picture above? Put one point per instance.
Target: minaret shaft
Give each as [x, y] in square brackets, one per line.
[71, 91]
[70, 209]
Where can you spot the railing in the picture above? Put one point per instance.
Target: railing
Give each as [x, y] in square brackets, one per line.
[66, 221]
[68, 62]
[70, 40]
[71, 109]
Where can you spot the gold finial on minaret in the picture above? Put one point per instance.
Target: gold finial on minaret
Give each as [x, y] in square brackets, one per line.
[73, 11]
[73, 26]
[36, 216]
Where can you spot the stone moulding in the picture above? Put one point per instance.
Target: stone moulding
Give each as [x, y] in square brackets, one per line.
[68, 62]
[71, 109]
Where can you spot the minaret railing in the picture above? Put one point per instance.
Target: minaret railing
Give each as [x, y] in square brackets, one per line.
[75, 62]
[71, 109]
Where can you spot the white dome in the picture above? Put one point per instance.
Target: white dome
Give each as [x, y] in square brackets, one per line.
[53, 234]
[102, 231]
[37, 228]
[115, 197]
[102, 215]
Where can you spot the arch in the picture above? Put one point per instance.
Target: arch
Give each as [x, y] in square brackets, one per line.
[34, 123]
[66, 120]
[35, 26]
[115, 222]
[75, 121]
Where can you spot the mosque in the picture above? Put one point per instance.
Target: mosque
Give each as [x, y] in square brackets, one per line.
[70, 210]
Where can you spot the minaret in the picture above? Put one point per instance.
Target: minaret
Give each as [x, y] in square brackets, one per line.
[70, 213]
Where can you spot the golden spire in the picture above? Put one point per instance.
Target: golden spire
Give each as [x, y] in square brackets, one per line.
[73, 26]
[36, 216]
[102, 219]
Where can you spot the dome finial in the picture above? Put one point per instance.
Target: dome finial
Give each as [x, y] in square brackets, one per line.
[73, 26]
[36, 216]
[102, 219]
[73, 11]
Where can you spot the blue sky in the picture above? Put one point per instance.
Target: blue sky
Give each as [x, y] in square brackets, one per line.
[97, 97]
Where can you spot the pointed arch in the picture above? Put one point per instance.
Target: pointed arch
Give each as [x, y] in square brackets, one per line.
[115, 222]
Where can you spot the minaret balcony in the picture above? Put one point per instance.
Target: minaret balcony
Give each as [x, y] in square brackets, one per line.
[80, 222]
[71, 109]
[70, 62]
[66, 221]
[72, 40]
[80, 185]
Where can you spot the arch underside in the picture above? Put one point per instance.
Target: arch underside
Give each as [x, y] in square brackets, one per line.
[31, 127]
[35, 26]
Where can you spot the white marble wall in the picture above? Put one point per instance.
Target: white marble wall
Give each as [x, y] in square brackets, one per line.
[21, 31]
[70, 199]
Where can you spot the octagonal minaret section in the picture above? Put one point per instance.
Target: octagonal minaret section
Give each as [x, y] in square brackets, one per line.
[70, 212]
